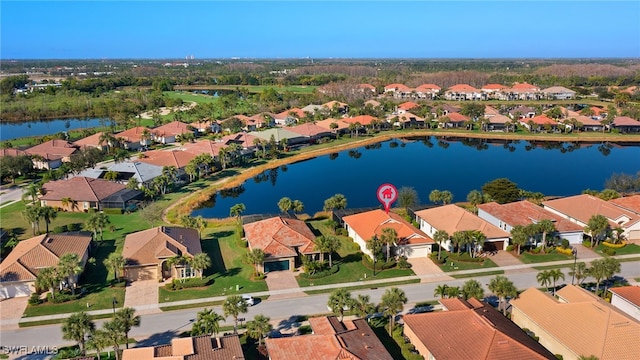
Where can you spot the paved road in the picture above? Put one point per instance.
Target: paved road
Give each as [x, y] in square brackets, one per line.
[158, 328]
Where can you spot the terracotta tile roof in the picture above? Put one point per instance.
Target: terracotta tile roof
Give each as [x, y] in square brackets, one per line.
[618, 121]
[194, 348]
[407, 117]
[177, 158]
[464, 88]
[204, 124]
[308, 130]
[398, 87]
[364, 120]
[589, 326]
[81, 188]
[596, 110]
[330, 104]
[278, 237]
[134, 134]
[25, 261]
[408, 105]
[427, 88]
[587, 121]
[452, 218]
[450, 108]
[326, 124]
[203, 147]
[583, 207]
[297, 113]
[631, 202]
[457, 117]
[490, 111]
[499, 119]
[524, 87]
[486, 332]
[172, 129]
[53, 149]
[366, 86]
[540, 120]
[629, 293]
[494, 87]
[350, 340]
[11, 152]
[90, 141]
[525, 213]
[373, 103]
[523, 110]
[152, 245]
[246, 140]
[370, 223]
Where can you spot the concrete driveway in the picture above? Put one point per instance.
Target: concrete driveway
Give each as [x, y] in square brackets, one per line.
[505, 258]
[142, 295]
[427, 270]
[283, 285]
[11, 311]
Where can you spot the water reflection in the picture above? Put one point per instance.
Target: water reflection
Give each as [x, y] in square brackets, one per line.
[333, 156]
[232, 192]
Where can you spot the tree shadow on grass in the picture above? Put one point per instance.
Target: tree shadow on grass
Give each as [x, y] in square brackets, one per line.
[211, 247]
[229, 273]
[355, 257]
[94, 277]
[380, 327]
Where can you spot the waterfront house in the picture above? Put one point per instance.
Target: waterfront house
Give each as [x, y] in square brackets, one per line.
[339, 127]
[135, 138]
[203, 347]
[279, 134]
[162, 158]
[330, 339]
[522, 112]
[625, 124]
[485, 332]
[497, 122]
[92, 141]
[289, 117]
[148, 253]
[627, 300]
[171, 132]
[452, 218]
[588, 124]
[283, 240]
[577, 324]
[407, 119]
[453, 120]
[406, 106]
[364, 120]
[411, 242]
[539, 123]
[20, 268]
[82, 193]
[310, 131]
[51, 154]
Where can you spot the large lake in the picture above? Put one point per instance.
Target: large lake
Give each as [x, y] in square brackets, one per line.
[9, 130]
[457, 165]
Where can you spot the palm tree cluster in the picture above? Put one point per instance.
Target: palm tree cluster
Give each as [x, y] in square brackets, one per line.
[285, 205]
[199, 262]
[472, 240]
[503, 288]
[336, 202]
[97, 222]
[69, 266]
[549, 277]
[440, 197]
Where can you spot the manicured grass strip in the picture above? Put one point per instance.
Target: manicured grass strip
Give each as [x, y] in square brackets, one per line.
[191, 306]
[485, 273]
[58, 321]
[549, 267]
[626, 250]
[463, 265]
[360, 287]
[529, 258]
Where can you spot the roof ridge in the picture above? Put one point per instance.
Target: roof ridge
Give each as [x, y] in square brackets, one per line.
[91, 188]
[42, 243]
[25, 267]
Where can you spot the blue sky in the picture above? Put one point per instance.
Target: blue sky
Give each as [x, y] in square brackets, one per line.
[319, 29]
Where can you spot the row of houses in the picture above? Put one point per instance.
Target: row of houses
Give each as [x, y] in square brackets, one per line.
[519, 91]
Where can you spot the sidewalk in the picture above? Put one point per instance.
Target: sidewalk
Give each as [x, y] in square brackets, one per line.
[427, 278]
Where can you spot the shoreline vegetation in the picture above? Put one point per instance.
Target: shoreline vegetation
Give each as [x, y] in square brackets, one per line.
[186, 205]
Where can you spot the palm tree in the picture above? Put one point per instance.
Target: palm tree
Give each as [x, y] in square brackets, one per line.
[555, 274]
[458, 239]
[200, 262]
[48, 278]
[339, 301]
[454, 292]
[519, 236]
[32, 215]
[255, 257]
[259, 328]
[77, 327]
[284, 204]
[441, 290]
[126, 319]
[207, 323]
[503, 288]
[336, 202]
[545, 227]
[598, 271]
[188, 221]
[375, 246]
[116, 262]
[31, 192]
[440, 237]
[234, 305]
[393, 301]
[68, 202]
[237, 210]
[111, 175]
[407, 197]
[476, 239]
[297, 206]
[596, 225]
[475, 197]
[363, 306]
[544, 278]
[579, 272]
[472, 289]
[113, 332]
[97, 222]
[98, 340]
[121, 155]
[69, 266]
[201, 225]
[389, 237]
[328, 244]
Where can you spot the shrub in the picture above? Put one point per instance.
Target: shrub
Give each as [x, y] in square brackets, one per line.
[403, 263]
[380, 265]
[434, 258]
[563, 251]
[510, 248]
[342, 232]
[535, 250]
[188, 283]
[35, 299]
[112, 211]
[464, 257]
[613, 246]
[60, 229]
[62, 297]
[75, 227]
[565, 244]
[259, 276]
[321, 274]
[610, 252]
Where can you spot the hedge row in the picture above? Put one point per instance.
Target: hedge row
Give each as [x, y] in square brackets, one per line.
[614, 246]
[380, 265]
[321, 274]
[189, 283]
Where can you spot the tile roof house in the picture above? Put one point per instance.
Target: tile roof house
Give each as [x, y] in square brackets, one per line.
[202, 347]
[493, 88]
[406, 119]
[577, 323]
[135, 137]
[452, 218]
[91, 141]
[367, 87]
[558, 93]
[588, 123]
[331, 339]
[289, 117]
[279, 134]
[485, 334]
[283, 241]
[464, 92]
[244, 139]
[12, 152]
[310, 131]
[162, 158]
[19, 269]
[453, 119]
[427, 91]
[581, 208]
[497, 122]
[522, 112]
[373, 103]
[624, 124]
[342, 108]
[490, 111]
[522, 91]
[406, 106]
[364, 120]
[538, 123]
[631, 202]
[204, 147]
[340, 126]
[627, 299]
[87, 193]
[147, 253]
[398, 90]
[51, 154]
[506, 216]
[169, 133]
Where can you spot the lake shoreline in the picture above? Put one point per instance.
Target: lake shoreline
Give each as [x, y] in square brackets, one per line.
[186, 205]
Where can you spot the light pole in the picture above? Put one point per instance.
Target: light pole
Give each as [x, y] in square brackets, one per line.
[575, 260]
[114, 302]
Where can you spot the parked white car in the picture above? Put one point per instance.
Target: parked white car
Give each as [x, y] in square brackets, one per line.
[248, 299]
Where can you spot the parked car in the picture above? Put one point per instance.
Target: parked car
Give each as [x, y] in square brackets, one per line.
[248, 299]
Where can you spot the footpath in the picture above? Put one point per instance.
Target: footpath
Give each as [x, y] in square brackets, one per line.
[426, 278]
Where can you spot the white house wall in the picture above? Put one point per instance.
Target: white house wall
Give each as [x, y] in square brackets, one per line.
[626, 306]
[358, 240]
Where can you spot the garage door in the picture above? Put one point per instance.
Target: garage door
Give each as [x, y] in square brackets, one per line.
[276, 266]
[493, 245]
[634, 236]
[144, 273]
[14, 290]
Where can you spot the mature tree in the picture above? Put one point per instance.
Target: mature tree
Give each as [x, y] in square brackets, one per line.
[201, 225]
[97, 222]
[113, 331]
[555, 274]
[519, 236]
[152, 214]
[69, 266]
[259, 328]
[13, 166]
[474, 110]
[284, 204]
[362, 306]
[255, 257]
[207, 323]
[336, 202]
[375, 246]
[475, 197]
[78, 327]
[133, 183]
[233, 306]
[389, 238]
[48, 214]
[393, 301]
[297, 206]
[602, 269]
[407, 197]
[503, 288]
[328, 244]
[237, 210]
[188, 221]
[440, 237]
[116, 262]
[458, 239]
[126, 318]
[544, 278]
[502, 190]
[31, 213]
[440, 197]
[98, 340]
[441, 291]
[580, 272]
[472, 289]
[200, 262]
[31, 192]
[48, 278]
[597, 225]
[545, 227]
[340, 301]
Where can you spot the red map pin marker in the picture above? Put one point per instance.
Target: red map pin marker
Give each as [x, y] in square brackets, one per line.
[387, 195]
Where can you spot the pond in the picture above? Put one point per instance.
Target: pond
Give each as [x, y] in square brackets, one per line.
[9, 130]
[456, 165]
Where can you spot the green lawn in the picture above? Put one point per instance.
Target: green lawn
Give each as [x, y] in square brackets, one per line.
[300, 89]
[395, 344]
[529, 258]
[227, 271]
[628, 249]
[453, 265]
[484, 273]
[95, 280]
